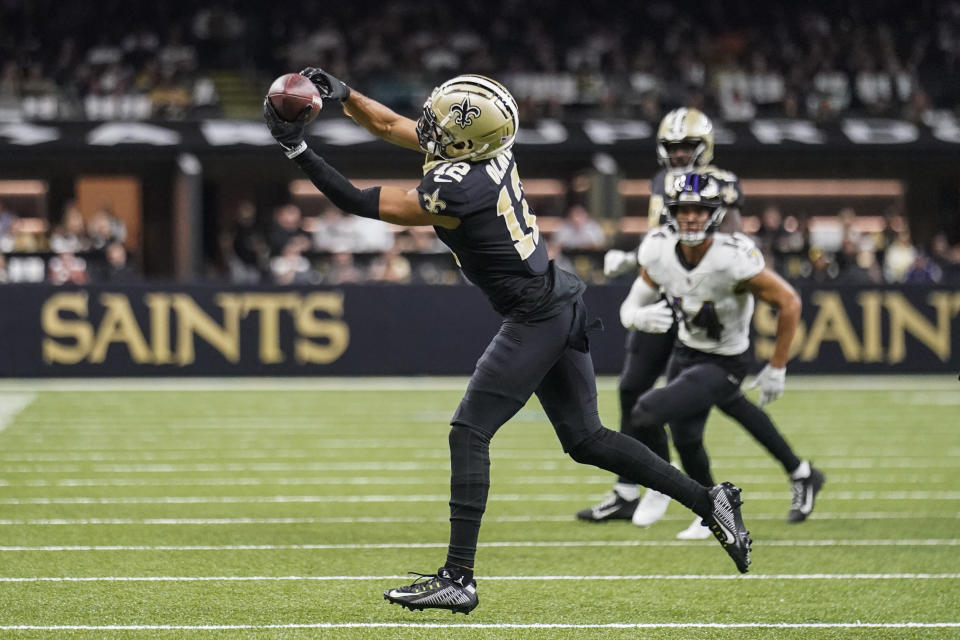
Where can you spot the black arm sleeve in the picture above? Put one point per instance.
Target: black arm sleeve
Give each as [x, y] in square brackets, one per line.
[342, 193]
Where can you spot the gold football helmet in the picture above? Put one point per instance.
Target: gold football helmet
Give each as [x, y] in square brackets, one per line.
[469, 117]
[685, 127]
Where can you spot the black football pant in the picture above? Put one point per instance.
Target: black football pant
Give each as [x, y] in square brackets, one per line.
[527, 358]
[646, 360]
[696, 382]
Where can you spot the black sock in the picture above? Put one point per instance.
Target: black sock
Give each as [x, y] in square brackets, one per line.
[457, 572]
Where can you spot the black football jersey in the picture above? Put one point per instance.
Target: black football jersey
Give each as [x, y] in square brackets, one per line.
[657, 213]
[498, 244]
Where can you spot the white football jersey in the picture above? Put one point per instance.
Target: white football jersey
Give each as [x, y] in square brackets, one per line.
[716, 319]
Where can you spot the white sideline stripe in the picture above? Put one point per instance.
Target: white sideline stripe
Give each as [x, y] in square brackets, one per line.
[11, 404]
[487, 625]
[934, 382]
[507, 497]
[819, 515]
[559, 578]
[949, 542]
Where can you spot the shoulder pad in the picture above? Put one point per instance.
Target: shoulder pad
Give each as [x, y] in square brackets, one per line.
[653, 246]
[743, 258]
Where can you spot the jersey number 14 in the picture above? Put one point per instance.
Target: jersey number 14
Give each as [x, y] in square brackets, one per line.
[525, 242]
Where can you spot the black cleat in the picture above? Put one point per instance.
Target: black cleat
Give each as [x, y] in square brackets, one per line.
[726, 524]
[805, 491]
[440, 591]
[613, 507]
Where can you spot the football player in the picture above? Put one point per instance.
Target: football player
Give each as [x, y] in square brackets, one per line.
[707, 282]
[472, 195]
[685, 143]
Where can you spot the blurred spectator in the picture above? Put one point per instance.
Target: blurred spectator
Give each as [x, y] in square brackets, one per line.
[66, 267]
[389, 266]
[343, 270]
[335, 232]
[946, 257]
[243, 246]
[70, 236]
[117, 269]
[291, 266]
[899, 257]
[4, 278]
[286, 232]
[105, 227]
[923, 270]
[579, 231]
[7, 218]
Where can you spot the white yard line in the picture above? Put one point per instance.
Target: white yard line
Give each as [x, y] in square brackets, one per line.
[719, 626]
[212, 453]
[835, 479]
[560, 463]
[505, 497]
[548, 578]
[11, 404]
[926, 383]
[351, 520]
[947, 542]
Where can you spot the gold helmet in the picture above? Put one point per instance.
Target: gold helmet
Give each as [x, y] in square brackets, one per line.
[469, 117]
[685, 126]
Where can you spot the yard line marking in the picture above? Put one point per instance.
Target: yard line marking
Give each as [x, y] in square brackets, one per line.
[923, 383]
[836, 479]
[486, 625]
[219, 455]
[819, 515]
[376, 498]
[552, 578]
[560, 463]
[948, 542]
[11, 404]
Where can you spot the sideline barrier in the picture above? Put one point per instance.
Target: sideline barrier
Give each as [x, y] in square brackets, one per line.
[157, 330]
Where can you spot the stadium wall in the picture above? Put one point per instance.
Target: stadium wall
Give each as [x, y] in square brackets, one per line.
[156, 330]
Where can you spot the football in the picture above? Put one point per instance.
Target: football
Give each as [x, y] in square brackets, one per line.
[291, 93]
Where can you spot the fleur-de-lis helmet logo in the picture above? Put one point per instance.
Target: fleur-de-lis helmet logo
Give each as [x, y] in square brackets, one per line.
[464, 112]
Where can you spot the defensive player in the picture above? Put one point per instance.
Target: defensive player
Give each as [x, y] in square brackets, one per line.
[708, 282]
[685, 143]
[471, 193]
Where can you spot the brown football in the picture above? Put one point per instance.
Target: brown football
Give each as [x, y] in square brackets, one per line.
[291, 93]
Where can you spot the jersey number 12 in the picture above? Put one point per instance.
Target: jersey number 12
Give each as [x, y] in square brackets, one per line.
[524, 242]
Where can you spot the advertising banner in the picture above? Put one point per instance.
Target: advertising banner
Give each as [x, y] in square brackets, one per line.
[152, 330]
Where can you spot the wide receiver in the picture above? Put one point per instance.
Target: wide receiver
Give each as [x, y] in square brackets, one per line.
[685, 143]
[472, 194]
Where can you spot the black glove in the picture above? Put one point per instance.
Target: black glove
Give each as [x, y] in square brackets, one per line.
[326, 84]
[288, 134]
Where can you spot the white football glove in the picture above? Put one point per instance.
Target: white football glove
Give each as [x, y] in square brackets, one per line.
[616, 262]
[654, 318]
[771, 381]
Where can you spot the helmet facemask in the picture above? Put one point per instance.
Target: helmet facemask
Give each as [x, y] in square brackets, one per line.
[701, 191]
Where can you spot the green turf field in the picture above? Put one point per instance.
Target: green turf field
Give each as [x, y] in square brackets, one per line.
[278, 509]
